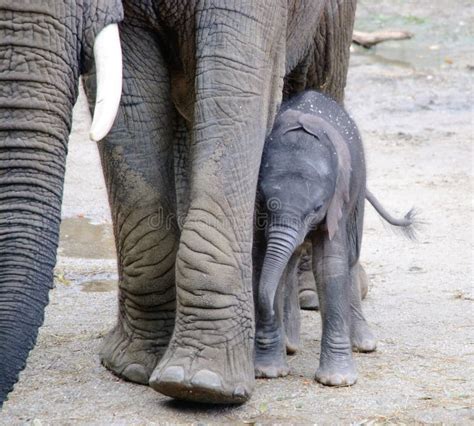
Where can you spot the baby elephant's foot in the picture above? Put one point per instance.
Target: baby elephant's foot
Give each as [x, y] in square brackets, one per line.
[362, 338]
[336, 365]
[270, 355]
[271, 367]
[336, 372]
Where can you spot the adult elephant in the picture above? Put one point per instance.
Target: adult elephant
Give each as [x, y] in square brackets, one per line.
[203, 80]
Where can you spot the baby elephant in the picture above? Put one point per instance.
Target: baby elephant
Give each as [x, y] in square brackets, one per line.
[313, 186]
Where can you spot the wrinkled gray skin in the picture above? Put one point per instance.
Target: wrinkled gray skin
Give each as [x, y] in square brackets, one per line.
[44, 47]
[312, 185]
[307, 292]
[202, 85]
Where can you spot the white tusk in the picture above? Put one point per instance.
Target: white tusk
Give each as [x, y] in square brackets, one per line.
[108, 61]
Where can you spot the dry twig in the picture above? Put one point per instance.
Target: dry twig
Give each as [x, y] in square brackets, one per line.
[368, 40]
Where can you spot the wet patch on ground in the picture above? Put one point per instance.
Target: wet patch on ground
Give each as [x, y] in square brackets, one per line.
[99, 286]
[81, 238]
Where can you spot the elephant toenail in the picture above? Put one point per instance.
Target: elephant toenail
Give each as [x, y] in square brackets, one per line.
[240, 392]
[207, 379]
[173, 374]
[135, 373]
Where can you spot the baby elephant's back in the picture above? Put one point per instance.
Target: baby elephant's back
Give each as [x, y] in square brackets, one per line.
[315, 103]
[312, 102]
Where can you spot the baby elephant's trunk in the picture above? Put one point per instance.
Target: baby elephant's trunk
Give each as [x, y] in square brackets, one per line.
[281, 244]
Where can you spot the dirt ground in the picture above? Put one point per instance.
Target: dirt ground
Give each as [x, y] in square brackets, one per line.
[413, 103]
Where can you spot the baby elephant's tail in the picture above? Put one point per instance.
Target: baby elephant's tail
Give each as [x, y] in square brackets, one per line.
[407, 225]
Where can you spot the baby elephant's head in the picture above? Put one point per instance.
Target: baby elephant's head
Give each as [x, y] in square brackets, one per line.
[303, 185]
[297, 183]
[304, 176]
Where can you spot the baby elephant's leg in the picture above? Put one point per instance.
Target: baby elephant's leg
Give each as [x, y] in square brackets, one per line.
[270, 348]
[331, 267]
[308, 297]
[363, 340]
[291, 306]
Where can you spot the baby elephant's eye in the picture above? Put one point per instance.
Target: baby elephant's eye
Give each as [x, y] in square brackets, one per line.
[318, 207]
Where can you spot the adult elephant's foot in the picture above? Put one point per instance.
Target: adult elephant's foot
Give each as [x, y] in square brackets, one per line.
[132, 349]
[336, 371]
[292, 346]
[309, 300]
[211, 375]
[362, 337]
[363, 281]
[210, 356]
[133, 358]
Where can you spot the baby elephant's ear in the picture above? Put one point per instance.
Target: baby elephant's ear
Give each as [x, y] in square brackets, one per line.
[317, 126]
[287, 121]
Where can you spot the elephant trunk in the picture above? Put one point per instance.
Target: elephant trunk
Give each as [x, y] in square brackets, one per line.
[38, 87]
[37, 94]
[281, 243]
[32, 165]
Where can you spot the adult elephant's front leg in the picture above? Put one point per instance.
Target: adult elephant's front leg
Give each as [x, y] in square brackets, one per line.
[137, 157]
[238, 86]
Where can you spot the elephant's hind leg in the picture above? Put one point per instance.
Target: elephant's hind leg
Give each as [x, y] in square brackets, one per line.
[308, 296]
[137, 157]
[363, 340]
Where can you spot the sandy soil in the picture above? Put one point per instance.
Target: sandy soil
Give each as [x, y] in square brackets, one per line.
[412, 101]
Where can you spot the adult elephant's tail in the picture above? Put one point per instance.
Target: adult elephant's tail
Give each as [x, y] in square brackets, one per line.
[43, 48]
